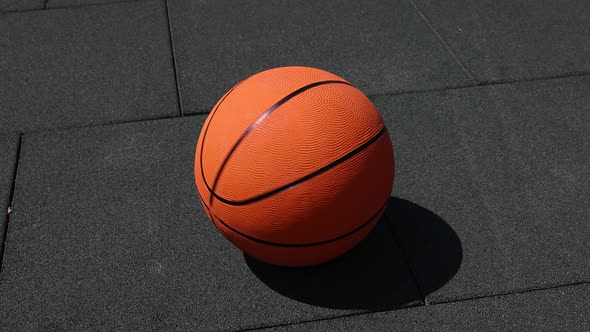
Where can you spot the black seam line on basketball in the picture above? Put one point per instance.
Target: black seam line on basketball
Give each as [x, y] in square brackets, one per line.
[301, 245]
[303, 179]
[207, 129]
[254, 125]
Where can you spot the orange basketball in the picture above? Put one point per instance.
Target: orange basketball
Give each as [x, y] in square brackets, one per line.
[294, 166]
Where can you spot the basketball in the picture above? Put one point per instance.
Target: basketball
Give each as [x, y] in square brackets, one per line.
[294, 166]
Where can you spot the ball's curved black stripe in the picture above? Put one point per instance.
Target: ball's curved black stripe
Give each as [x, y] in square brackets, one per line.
[298, 245]
[250, 129]
[206, 129]
[304, 178]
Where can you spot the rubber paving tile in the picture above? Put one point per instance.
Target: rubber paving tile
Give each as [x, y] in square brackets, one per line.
[560, 309]
[503, 171]
[380, 48]
[507, 39]
[72, 3]
[82, 66]
[107, 233]
[9, 144]
[16, 5]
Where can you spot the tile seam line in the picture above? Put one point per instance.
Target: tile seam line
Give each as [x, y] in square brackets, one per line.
[395, 93]
[52, 8]
[352, 314]
[397, 246]
[173, 54]
[10, 199]
[461, 86]
[515, 292]
[104, 124]
[481, 84]
[443, 41]
[415, 306]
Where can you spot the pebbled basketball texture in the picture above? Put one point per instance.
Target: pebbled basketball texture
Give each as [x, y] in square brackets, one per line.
[294, 166]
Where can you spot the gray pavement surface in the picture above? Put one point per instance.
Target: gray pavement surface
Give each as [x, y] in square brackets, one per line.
[487, 104]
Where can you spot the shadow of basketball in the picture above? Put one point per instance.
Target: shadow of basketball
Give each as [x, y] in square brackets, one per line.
[375, 275]
[431, 247]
